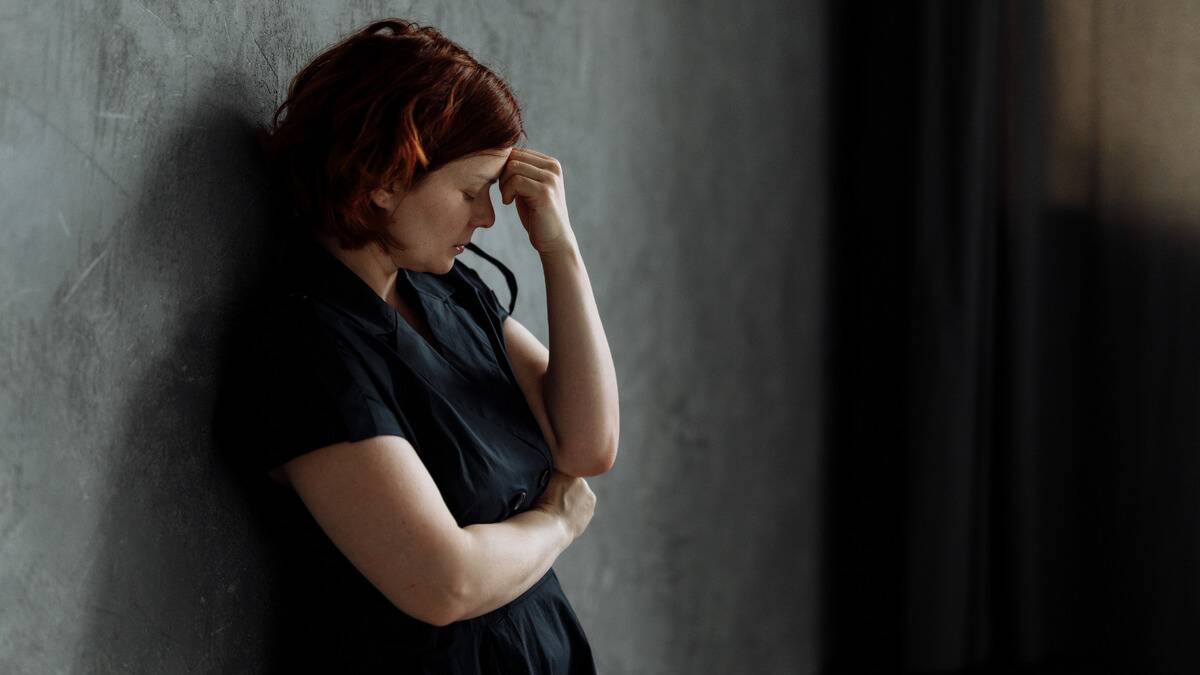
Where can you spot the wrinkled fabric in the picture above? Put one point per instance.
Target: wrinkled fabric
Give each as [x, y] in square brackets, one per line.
[340, 364]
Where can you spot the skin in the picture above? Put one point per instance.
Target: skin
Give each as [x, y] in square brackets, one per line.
[378, 503]
[574, 394]
[444, 210]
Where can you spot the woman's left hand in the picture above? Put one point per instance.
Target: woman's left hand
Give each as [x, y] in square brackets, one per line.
[535, 181]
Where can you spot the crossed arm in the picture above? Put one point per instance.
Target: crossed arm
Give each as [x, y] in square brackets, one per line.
[571, 386]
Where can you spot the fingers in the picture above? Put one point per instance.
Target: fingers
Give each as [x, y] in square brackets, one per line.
[530, 156]
[532, 164]
[531, 151]
[515, 169]
[521, 185]
[534, 171]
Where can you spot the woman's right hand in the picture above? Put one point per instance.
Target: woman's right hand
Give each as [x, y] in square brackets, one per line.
[569, 498]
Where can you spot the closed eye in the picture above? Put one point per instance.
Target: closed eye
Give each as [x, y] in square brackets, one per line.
[484, 190]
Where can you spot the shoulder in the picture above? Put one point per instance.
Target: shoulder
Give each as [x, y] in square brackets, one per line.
[472, 278]
[467, 276]
[468, 285]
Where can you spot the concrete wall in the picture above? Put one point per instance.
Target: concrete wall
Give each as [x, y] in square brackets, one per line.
[691, 136]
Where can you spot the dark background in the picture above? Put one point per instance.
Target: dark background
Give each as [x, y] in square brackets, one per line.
[1013, 453]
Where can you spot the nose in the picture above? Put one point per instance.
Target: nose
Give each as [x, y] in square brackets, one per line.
[487, 217]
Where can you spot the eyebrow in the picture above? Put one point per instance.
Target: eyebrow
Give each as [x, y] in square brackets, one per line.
[489, 179]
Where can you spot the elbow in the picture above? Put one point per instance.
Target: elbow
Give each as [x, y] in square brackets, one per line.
[441, 606]
[437, 606]
[450, 600]
[448, 606]
[452, 609]
[591, 461]
[608, 455]
[461, 586]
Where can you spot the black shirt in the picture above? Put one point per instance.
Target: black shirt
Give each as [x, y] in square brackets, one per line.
[340, 364]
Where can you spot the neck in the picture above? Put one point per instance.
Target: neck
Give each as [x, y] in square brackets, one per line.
[369, 263]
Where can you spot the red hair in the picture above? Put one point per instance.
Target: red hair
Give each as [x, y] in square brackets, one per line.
[384, 107]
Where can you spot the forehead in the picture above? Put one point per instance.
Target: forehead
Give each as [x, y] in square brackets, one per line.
[486, 163]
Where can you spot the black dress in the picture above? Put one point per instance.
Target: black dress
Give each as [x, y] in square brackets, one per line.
[343, 365]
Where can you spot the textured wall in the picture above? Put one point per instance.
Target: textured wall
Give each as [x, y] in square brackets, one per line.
[690, 134]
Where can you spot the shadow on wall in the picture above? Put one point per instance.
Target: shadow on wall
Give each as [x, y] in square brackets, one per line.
[184, 570]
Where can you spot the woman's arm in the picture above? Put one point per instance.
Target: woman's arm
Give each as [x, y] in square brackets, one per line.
[580, 383]
[529, 359]
[504, 559]
[377, 503]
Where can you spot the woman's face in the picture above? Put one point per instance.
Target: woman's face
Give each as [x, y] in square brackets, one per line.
[443, 211]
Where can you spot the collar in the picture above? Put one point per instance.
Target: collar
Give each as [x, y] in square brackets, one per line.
[327, 277]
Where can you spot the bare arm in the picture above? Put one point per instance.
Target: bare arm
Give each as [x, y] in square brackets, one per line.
[580, 382]
[378, 504]
[508, 557]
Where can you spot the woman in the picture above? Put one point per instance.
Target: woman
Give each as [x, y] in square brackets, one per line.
[432, 449]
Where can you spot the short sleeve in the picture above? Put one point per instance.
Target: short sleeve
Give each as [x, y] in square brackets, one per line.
[313, 392]
[493, 302]
[490, 300]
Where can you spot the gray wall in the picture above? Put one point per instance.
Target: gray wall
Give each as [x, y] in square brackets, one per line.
[691, 136]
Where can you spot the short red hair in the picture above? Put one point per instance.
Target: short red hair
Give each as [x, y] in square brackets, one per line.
[384, 107]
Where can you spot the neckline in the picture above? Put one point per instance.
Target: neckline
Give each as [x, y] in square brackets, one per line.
[425, 294]
[417, 306]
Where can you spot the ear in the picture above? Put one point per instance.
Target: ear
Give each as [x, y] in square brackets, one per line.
[383, 198]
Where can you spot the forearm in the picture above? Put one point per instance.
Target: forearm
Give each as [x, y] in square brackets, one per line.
[580, 384]
[500, 561]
